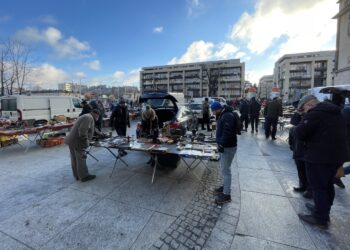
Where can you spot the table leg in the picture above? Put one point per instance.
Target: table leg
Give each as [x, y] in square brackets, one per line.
[155, 167]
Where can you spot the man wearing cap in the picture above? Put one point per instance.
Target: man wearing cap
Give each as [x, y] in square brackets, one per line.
[120, 118]
[78, 141]
[323, 129]
[226, 139]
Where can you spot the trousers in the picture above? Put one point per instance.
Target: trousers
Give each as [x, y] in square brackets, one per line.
[225, 165]
[268, 123]
[78, 162]
[254, 121]
[321, 178]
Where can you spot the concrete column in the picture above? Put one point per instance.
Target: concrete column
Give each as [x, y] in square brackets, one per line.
[312, 74]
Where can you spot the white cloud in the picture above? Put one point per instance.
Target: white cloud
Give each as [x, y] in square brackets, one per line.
[194, 7]
[225, 51]
[63, 47]
[200, 51]
[300, 25]
[80, 74]
[197, 51]
[48, 19]
[158, 29]
[131, 78]
[46, 76]
[118, 75]
[94, 65]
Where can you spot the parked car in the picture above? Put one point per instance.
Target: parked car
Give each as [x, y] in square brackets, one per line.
[179, 119]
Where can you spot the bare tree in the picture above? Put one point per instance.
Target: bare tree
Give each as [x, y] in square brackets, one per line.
[14, 66]
[212, 77]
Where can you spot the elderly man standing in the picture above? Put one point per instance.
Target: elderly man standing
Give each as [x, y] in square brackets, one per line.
[226, 139]
[78, 141]
[272, 111]
[323, 129]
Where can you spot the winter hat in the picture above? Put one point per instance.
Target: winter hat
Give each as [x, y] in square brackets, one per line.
[305, 99]
[148, 114]
[215, 106]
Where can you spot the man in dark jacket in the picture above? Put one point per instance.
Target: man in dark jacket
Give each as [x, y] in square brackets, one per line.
[244, 110]
[323, 129]
[120, 118]
[298, 148]
[206, 114]
[272, 111]
[254, 112]
[226, 139]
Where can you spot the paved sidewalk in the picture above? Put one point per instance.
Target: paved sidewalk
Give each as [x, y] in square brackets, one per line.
[269, 207]
[43, 207]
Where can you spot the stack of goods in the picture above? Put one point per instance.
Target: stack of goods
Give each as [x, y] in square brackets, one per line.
[8, 140]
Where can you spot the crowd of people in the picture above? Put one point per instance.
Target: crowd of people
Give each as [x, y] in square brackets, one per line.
[320, 141]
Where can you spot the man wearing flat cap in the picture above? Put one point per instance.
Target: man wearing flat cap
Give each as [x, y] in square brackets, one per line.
[323, 130]
[78, 141]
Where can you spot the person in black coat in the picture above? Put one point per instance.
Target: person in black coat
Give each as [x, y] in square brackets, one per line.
[298, 148]
[323, 129]
[244, 110]
[254, 112]
[120, 118]
[86, 108]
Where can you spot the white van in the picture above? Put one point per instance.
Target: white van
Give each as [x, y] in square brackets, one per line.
[39, 108]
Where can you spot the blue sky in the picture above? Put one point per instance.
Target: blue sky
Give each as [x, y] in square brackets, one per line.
[107, 42]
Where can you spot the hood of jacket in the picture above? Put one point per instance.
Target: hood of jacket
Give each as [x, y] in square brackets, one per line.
[326, 107]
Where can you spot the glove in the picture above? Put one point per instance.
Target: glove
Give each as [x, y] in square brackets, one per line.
[220, 149]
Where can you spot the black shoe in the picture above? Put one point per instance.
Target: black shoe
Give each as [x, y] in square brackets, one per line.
[267, 136]
[310, 207]
[252, 131]
[273, 138]
[222, 199]
[339, 183]
[256, 131]
[299, 189]
[219, 190]
[307, 195]
[77, 178]
[308, 218]
[88, 178]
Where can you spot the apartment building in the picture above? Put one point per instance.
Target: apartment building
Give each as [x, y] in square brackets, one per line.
[342, 58]
[213, 78]
[265, 86]
[294, 74]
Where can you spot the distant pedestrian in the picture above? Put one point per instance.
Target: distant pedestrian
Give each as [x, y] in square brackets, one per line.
[78, 141]
[206, 114]
[244, 110]
[120, 118]
[323, 129]
[272, 111]
[254, 113]
[226, 139]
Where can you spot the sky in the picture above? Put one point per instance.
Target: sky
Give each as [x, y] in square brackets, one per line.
[108, 41]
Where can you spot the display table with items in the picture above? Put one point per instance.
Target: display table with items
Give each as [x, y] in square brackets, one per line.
[38, 132]
[193, 153]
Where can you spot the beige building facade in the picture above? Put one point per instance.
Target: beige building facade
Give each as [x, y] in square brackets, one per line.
[342, 61]
[223, 78]
[265, 86]
[294, 74]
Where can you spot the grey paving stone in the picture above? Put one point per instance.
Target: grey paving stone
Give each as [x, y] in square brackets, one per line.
[9, 243]
[174, 244]
[143, 193]
[38, 224]
[272, 218]
[247, 243]
[104, 184]
[153, 229]
[254, 162]
[18, 193]
[267, 183]
[109, 225]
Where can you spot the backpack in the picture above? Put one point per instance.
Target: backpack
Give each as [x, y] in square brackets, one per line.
[238, 123]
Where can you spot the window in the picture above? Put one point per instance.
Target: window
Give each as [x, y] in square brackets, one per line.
[76, 103]
[9, 104]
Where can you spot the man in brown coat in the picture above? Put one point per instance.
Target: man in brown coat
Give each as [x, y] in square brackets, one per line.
[78, 141]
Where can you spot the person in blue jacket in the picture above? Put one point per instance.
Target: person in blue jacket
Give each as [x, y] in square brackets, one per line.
[226, 139]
